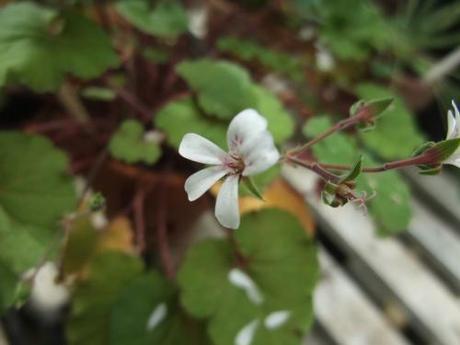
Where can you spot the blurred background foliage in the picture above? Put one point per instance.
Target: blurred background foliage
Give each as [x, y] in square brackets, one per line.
[105, 90]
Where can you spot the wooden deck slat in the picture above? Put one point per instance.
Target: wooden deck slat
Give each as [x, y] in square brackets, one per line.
[433, 309]
[439, 242]
[441, 192]
[346, 313]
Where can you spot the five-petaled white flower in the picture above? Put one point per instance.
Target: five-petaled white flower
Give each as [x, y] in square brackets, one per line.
[453, 132]
[251, 151]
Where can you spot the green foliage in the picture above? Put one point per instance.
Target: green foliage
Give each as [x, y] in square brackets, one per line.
[7, 287]
[35, 188]
[129, 144]
[34, 193]
[147, 312]
[249, 50]
[351, 29]
[277, 256]
[223, 88]
[39, 46]
[426, 24]
[395, 134]
[337, 149]
[390, 208]
[93, 301]
[166, 19]
[180, 117]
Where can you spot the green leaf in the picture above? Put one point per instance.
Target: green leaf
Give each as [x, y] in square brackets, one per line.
[34, 188]
[39, 46]
[129, 144]
[279, 259]
[395, 134]
[94, 298]
[8, 285]
[34, 193]
[147, 312]
[223, 88]
[180, 117]
[166, 19]
[338, 148]
[390, 208]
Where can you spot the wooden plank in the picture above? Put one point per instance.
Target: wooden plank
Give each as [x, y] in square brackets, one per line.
[442, 192]
[385, 263]
[438, 241]
[346, 313]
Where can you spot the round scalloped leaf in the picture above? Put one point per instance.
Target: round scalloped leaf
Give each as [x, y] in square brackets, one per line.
[94, 298]
[180, 117]
[276, 274]
[147, 313]
[395, 134]
[34, 188]
[223, 88]
[130, 145]
[166, 19]
[39, 46]
[7, 287]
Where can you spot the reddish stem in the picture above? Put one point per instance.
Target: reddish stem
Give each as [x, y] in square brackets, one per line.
[162, 234]
[138, 209]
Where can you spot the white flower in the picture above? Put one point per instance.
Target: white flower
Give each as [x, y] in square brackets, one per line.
[453, 132]
[251, 151]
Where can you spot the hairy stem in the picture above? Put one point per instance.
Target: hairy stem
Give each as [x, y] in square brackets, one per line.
[363, 115]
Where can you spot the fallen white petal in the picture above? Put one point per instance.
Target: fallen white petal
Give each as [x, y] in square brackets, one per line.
[198, 183]
[158, 314]
[47, 295]
[227, 209]
[244, 127]
[246, 334]
[201, 150]
[277, 319]
[241, 280]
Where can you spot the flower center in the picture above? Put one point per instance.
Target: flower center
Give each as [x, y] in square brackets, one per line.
[235, 163]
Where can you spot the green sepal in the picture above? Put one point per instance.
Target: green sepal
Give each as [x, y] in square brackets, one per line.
[444, 149]
[354, 172]
[252, 187]
[422, 148]
[430, 170]
[377, 106]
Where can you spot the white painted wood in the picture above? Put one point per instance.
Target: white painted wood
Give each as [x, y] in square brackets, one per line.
[426, 298]
[442, 190]
[346, 313]
[439, 241]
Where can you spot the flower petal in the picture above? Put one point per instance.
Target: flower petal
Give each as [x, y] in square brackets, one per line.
[453, 119]
[244, 128]
[227, 209]
[199, 149]
[198, 183]
[261, 156]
